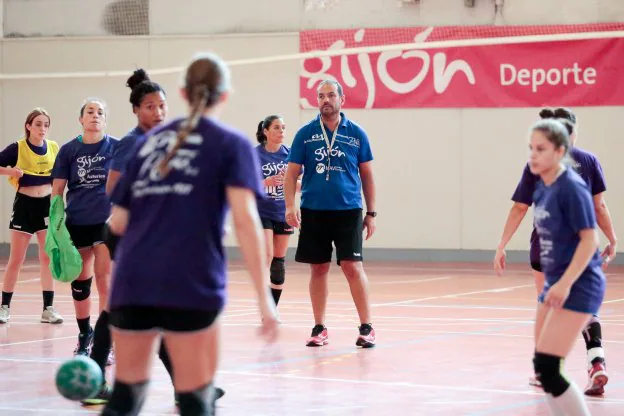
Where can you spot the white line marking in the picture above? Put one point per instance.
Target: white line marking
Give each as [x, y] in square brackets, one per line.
[454, 295]
[613, 301]
[402, 282]
[35, 341]
[387, 383]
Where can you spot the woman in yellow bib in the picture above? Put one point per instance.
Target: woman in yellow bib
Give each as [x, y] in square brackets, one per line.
[28, 164]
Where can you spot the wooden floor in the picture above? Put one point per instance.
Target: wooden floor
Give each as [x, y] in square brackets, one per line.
[452, 340]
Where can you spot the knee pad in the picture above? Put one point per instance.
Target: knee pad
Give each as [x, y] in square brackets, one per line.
[81, 289]
[278, 271]
[126, 399]
[110, 240]
[548, 371]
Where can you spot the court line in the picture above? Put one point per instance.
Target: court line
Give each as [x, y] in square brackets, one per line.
[613, 301]
[454, 295]
[60, 411]
[519, 405]
[329, 409]
[386, 383]
[399, 282]
[35, 341]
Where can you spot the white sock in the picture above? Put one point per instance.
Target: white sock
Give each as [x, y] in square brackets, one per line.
[570, 403]
[554, 410]
[594, 353]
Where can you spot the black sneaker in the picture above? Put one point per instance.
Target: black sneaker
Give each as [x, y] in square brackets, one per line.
[367, 336]
[84, 343]
[102, 397]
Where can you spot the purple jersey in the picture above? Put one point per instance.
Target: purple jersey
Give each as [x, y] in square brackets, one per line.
[273, 206]
[172, 254]
[583, 162]
[124, 148]
[562, 210]
[85, 167]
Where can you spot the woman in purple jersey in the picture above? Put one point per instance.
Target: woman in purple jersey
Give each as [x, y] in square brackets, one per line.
[565, 220]
[170, 268]
[588, 166]
[273, 156]
[82, 166]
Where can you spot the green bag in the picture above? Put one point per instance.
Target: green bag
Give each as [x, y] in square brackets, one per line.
[65, 260]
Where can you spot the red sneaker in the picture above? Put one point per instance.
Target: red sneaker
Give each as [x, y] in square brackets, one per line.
[319, 336]
[597, 380]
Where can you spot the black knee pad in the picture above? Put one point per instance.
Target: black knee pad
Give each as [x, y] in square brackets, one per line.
[81, 289]
[110, 240]
[278, 270]
[126, 399]
[548, 371]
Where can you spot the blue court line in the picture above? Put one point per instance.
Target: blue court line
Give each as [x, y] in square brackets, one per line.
[249, 367]
[343, 351]
[519, 405]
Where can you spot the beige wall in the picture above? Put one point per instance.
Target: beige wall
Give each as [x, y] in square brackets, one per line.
[167, 17]
[444, 176]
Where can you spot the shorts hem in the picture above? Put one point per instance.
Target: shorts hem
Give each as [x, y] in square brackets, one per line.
[24, 232]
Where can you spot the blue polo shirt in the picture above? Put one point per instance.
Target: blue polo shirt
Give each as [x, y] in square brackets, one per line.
[342, 189]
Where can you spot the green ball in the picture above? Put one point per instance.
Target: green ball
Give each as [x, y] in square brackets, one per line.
[79, 378]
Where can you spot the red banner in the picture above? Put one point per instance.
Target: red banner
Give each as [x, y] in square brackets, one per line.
[562, 73]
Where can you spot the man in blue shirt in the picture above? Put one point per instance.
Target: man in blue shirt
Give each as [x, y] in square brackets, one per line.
[337, 166]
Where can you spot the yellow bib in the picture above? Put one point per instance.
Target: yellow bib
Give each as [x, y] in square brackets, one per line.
[33, 164]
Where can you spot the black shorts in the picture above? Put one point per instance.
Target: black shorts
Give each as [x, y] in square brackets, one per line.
[151, 318]
[319, 229]
[278, 227]
[30, 215]
[537, 266]
[85, 236]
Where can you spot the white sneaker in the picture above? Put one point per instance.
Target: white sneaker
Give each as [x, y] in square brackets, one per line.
[5, 313]
[51, 316]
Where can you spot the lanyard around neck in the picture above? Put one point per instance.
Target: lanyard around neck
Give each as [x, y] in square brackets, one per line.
[329, 144]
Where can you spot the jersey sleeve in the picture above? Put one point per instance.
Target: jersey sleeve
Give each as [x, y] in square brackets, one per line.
[365, 154]
[62, 164]
[577, 206]
[121, 154]
[525, 188]
[8, 157]
[297, 150]
[598, 184]
[122, 192]
[242, 168]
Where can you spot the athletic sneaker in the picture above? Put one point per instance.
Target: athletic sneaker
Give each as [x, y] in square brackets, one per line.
[5, 314]
[366, 339]
[319, 337]
[84, 343]
[597, 380]
[102, 397]
[51, 316]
